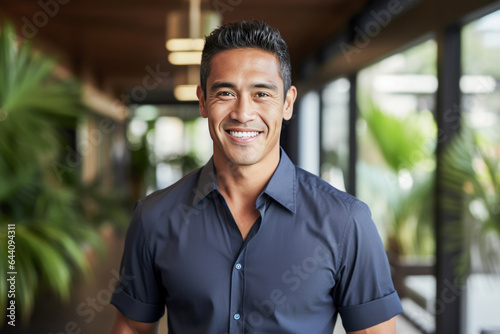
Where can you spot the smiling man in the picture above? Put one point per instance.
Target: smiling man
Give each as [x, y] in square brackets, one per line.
[250, 243]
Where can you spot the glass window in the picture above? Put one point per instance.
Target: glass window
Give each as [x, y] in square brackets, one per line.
[335, 133]
[479, 152]
[396, 133]
[308, 153]
[396, 141]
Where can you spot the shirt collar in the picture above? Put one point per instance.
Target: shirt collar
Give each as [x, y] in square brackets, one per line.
[206, 183]
[282, 186]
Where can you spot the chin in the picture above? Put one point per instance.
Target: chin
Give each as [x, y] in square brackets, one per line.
[243, 159]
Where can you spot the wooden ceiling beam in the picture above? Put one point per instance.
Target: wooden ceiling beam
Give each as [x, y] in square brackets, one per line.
[424, 19]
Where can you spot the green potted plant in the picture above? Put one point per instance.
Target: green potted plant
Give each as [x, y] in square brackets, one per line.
[50, 229]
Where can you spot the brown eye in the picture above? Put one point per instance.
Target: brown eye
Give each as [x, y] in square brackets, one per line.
[225, 94]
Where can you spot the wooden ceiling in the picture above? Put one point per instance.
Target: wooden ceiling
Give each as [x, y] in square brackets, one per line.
[116, 43]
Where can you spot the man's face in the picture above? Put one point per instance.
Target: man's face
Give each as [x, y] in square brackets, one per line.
[245, 106]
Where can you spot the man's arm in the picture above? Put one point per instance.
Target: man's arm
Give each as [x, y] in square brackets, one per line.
[387, 327]
[124, 325]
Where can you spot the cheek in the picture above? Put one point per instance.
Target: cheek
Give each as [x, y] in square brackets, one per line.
[275, 123]
[215, 127]
[271, 114]
[217, 115]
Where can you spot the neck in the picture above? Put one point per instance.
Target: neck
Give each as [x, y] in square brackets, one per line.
[244, 181]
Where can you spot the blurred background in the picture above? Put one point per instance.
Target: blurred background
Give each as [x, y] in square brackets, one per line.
[399, 104]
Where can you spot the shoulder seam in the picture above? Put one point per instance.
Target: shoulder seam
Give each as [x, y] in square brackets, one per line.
[323, 186]
[144, 235]
[343, 239]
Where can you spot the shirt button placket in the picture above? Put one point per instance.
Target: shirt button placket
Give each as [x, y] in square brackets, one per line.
[236, 324]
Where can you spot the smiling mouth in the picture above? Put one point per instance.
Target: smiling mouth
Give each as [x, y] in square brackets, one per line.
[243, 134]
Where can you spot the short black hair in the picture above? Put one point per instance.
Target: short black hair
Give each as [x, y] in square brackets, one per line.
[246, 34]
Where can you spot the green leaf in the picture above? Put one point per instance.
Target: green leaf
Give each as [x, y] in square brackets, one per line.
[403, 142]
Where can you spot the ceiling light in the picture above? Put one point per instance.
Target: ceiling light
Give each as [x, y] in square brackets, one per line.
[185, 44]
[185, 58]
[186, 29]
[185, 93]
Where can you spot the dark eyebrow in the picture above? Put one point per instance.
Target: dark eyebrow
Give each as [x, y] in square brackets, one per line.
[223, 84]
[218, 85]
[269, 85]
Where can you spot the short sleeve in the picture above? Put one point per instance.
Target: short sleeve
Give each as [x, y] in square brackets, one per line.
[138, 295]
[365, 295]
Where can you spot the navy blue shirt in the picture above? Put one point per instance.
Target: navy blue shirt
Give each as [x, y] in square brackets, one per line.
[313, 253]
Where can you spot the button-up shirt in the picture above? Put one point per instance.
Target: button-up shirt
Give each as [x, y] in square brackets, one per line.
[314, 252]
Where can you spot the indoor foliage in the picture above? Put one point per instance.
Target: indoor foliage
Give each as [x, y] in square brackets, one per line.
[36, 110]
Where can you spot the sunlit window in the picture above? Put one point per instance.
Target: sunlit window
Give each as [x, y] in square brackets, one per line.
[308, 132]
[335, 133]
[479, 150]
[397, 137]
[397, 133]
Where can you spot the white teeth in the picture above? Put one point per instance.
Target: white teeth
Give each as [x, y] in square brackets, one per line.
[240, 134]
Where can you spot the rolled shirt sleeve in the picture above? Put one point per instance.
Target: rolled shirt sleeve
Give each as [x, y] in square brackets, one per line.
[138, 295]
[365, 295]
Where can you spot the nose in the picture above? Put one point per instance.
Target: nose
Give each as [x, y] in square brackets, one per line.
[244, 110]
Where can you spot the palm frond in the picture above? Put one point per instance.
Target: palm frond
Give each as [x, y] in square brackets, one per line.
[50, 227]
[471, 195]
[403, 142]
[406, 145]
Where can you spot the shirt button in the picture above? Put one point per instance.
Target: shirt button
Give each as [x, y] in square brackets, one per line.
[238, 266]
[236, 316]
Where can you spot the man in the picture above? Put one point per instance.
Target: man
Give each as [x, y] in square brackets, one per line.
[250, 243]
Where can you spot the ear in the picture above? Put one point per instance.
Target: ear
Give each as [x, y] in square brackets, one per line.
[201, 101]
[291, 95]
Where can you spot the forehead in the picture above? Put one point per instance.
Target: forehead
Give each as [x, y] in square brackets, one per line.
[244, 61]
